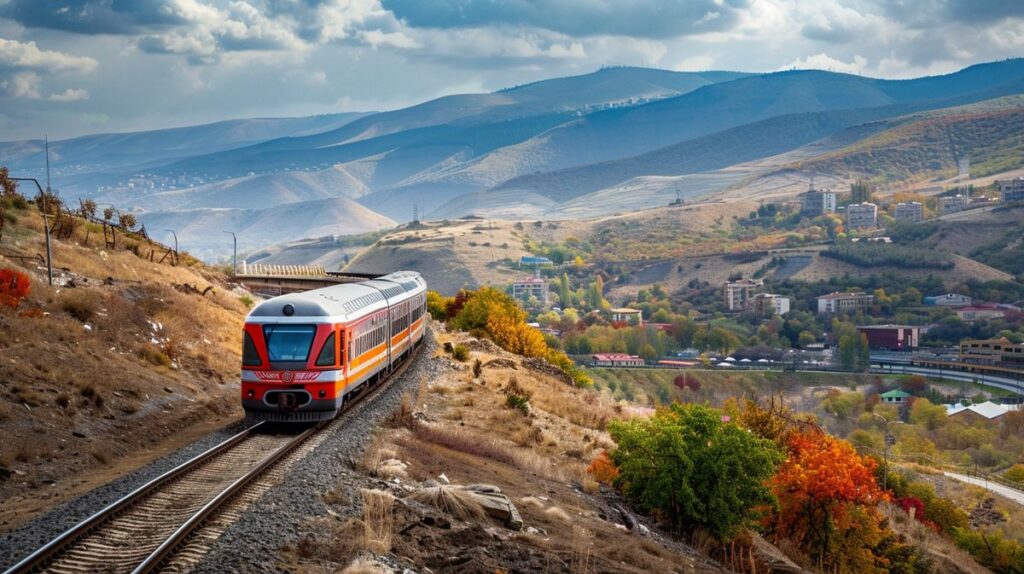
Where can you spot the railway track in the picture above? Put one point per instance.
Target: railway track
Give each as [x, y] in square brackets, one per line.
[141, 530]
[145, 530]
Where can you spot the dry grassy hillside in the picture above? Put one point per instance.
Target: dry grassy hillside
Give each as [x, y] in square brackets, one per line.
[473, 252]
[668, 245]
[121, 360]
[804, 264]
[460, 430]
[463, 253]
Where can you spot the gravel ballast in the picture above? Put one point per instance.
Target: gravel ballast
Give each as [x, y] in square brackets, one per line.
[253, 542]
[25, 539]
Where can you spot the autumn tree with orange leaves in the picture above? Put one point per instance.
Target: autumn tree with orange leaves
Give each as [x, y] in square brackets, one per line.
[827, 504]
[490, 313]
[14, 286]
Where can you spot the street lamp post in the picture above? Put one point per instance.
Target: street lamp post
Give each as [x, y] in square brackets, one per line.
[175, 244]
[46, 227]
[885, 453]
[234, 256]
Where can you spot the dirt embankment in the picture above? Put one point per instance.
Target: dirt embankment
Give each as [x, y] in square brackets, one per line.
[460, 438]
[122, 360]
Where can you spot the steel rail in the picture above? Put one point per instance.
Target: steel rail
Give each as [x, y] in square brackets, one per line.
[37, 559]
[157, 558]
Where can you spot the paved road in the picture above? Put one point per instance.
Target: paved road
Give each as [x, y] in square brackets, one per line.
[1005, 383]
[1011, 493]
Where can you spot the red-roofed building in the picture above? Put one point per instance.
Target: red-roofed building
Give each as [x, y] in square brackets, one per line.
[617, 360]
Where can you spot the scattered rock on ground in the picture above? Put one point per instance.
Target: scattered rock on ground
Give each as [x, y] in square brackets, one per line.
[500, 363]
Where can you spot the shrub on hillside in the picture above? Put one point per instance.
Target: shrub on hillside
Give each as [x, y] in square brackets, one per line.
[437, 305]
[1015, 473]
[516, 397]
[603, 468]
[460, 352]
[491, 313]
[674, 465]
[991, 549]
[14, 287]
[872, 254]
[154, 355]
[80, 304]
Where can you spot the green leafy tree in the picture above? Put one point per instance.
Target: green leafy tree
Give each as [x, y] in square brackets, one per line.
[854, 351]
[649, 353]
[924, 413]
[8, 187]
[861, 191]
[675, 463]
[722, 340]
[806, 338]
[564, 292]
[437, 305]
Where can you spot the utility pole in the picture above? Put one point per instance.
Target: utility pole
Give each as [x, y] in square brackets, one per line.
[175, 245]
[46, 225]
[887, 439]
[234, 257]
[47, 143]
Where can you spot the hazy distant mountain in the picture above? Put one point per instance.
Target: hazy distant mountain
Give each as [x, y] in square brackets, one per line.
[265, 190]
[201, 231]
[466, 122]
[748, 142]
[616, 140]
[399, 150]
[118, 150]
[630, 131]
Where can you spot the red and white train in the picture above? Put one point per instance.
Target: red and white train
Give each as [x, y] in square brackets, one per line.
[303, 354]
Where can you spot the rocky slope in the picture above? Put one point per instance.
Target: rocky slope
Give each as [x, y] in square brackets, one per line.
[121, 360]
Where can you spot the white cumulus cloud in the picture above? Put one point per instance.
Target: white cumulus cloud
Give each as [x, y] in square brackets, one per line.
[70, 95]
[26, 55]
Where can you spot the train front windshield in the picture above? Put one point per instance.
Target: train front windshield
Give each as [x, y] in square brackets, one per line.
[288, 342]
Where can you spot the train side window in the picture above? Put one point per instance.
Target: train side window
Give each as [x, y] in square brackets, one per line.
[327, 357]
[250, 356]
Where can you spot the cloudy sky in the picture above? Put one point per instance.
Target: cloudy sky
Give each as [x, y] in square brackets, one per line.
[69, 67]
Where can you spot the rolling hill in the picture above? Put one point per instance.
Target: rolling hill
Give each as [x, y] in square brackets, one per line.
[607, 127]
[98, 152]
[614, 141]
[201, 231]
[849, 142]
[926, 145]
[630, 131]
[608, 87]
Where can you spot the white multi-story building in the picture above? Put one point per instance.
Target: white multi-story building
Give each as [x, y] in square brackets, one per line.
[1011, 189]
[817, 202]
[909, 211]
[844, 302]
[738, 293]
[531, 288]
[861, 215]
[767, 304]
[953, 204]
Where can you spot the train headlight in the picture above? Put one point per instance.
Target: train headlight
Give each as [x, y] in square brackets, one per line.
[322, 393]
[252, 393]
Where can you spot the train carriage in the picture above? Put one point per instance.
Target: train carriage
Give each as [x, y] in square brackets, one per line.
[305, 353]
